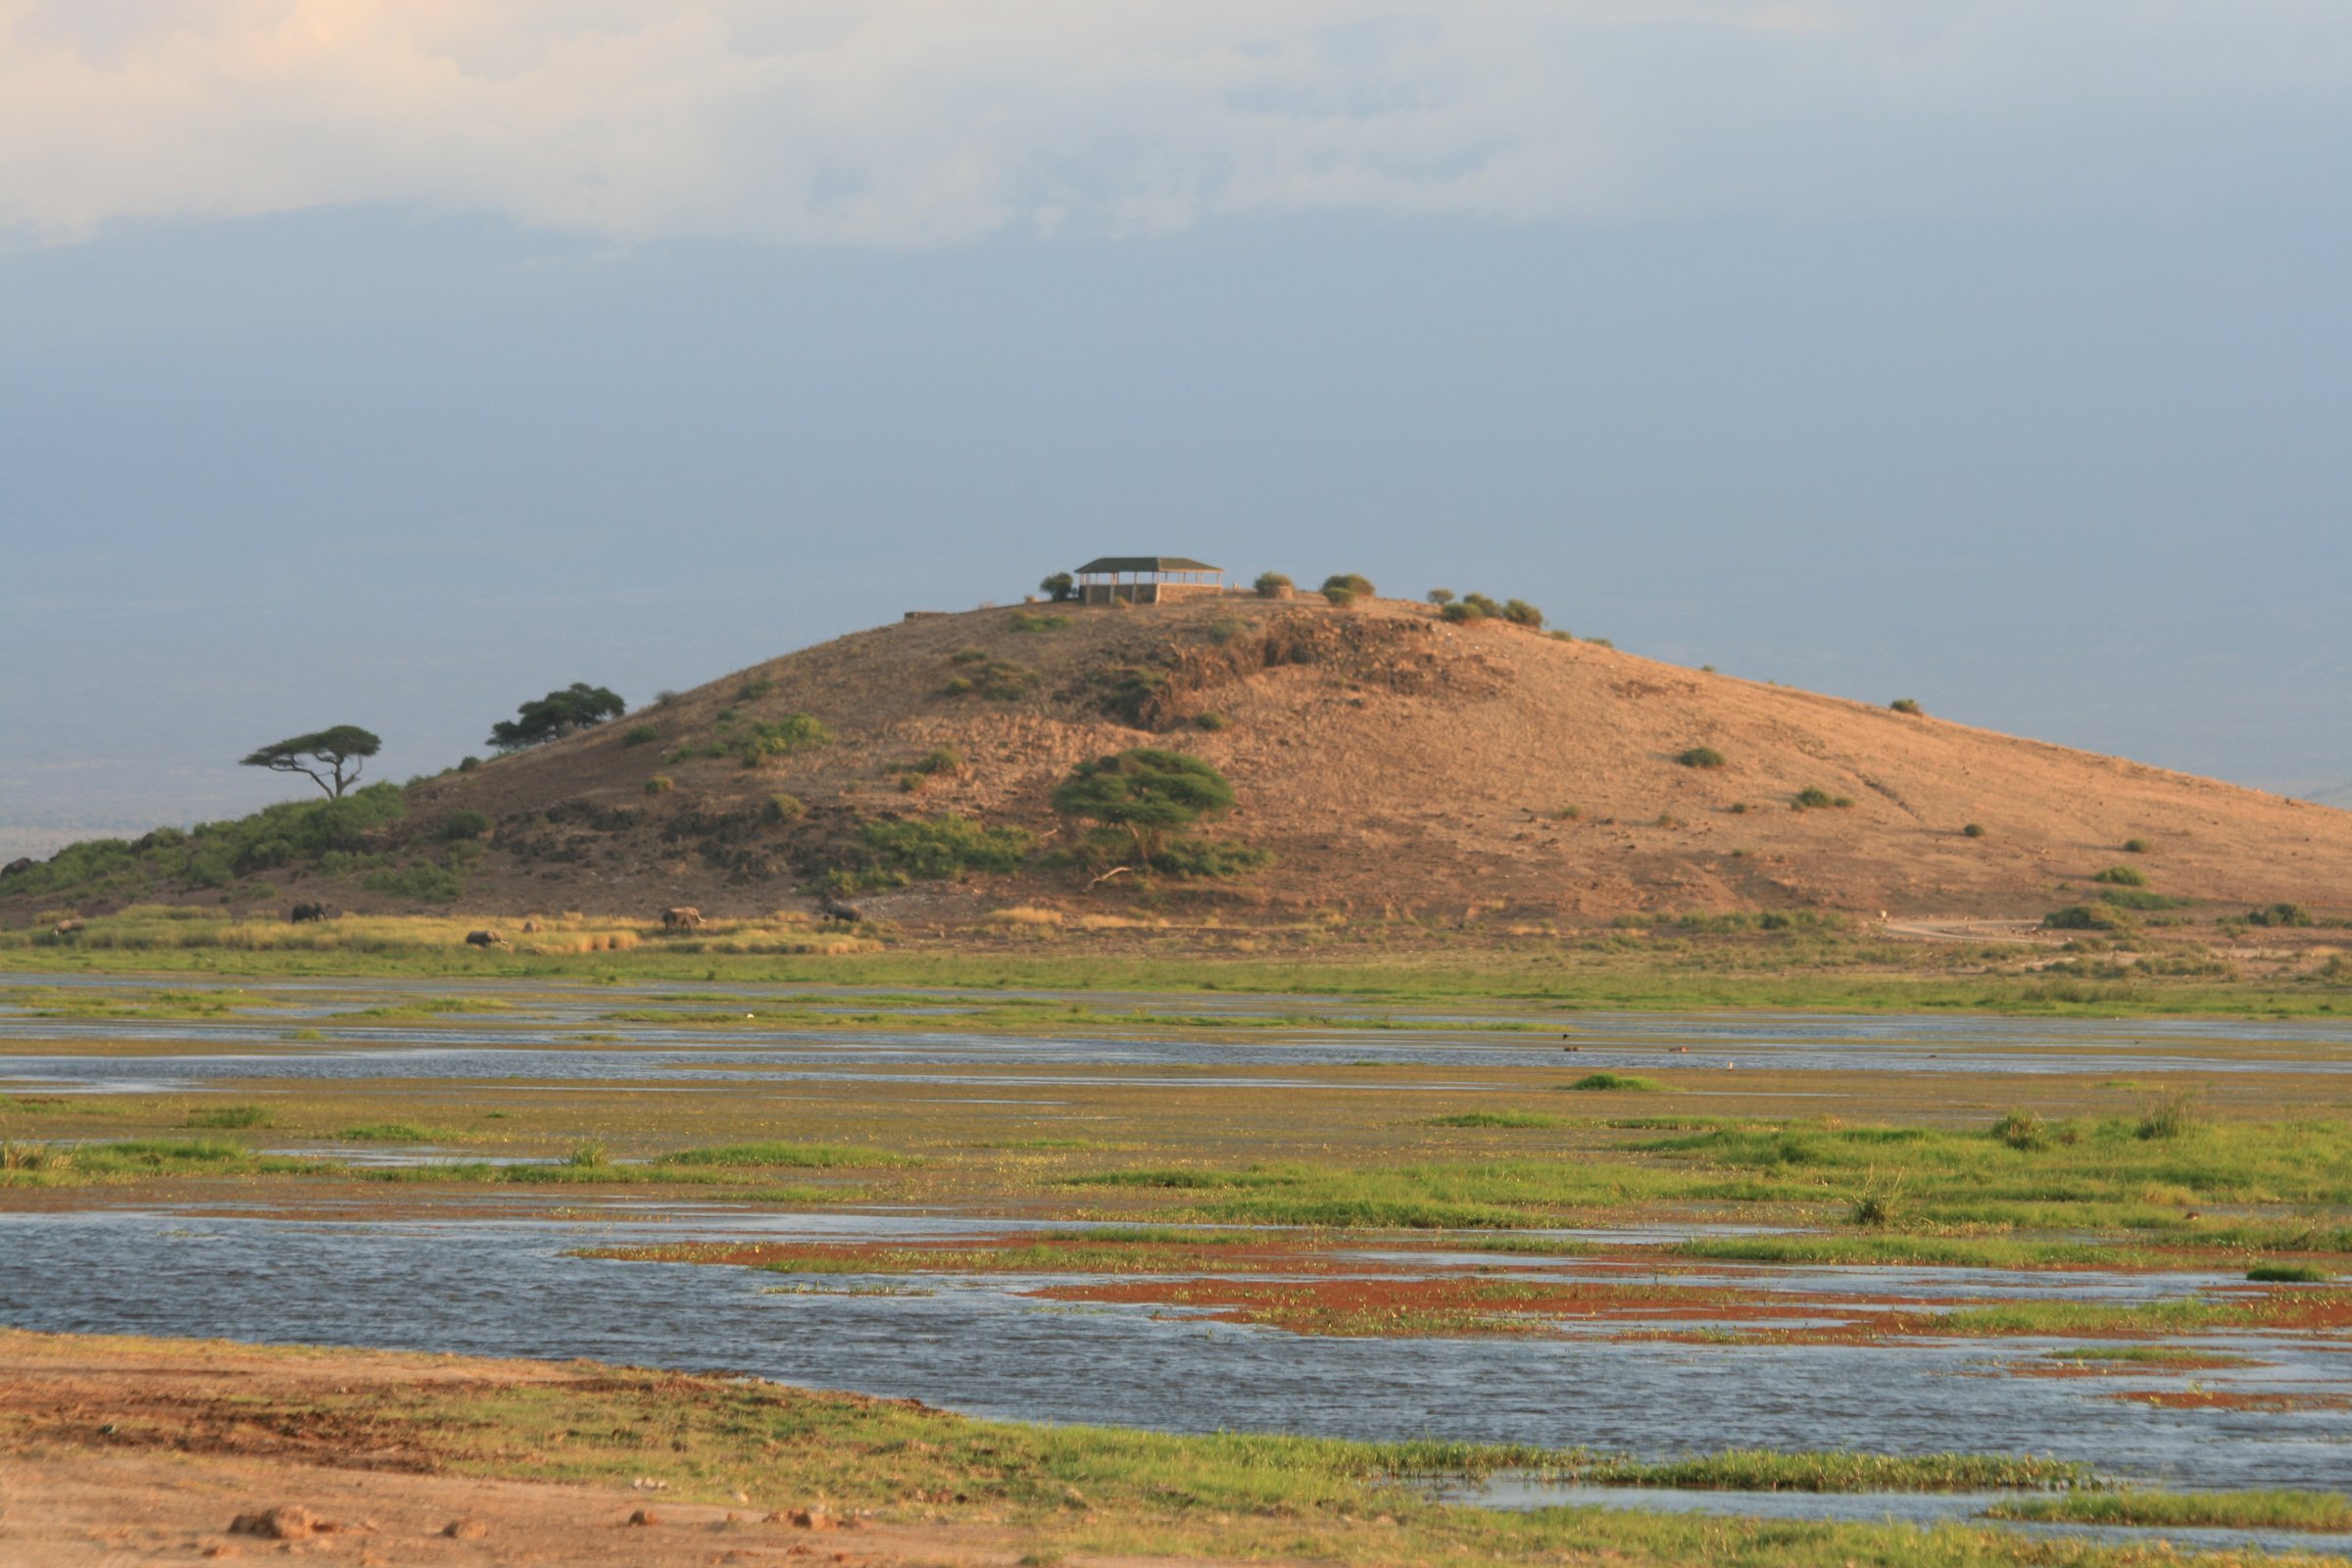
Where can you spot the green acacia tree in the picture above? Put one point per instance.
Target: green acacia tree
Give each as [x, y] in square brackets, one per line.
[576, 708]
[329, 757]
[1149, 794]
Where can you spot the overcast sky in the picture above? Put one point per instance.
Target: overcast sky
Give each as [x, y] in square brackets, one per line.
[390, 363]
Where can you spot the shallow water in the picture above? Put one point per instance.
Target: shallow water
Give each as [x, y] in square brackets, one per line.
[561, 1035]
[501, 1286]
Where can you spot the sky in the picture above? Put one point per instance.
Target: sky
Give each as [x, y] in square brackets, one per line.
[392, 364]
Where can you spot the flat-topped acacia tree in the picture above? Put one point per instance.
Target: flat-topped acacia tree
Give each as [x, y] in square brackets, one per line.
[577, 706]
[330, 758]
[1151, 795]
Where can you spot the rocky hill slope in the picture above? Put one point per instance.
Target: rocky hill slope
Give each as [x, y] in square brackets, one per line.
[1392, 763]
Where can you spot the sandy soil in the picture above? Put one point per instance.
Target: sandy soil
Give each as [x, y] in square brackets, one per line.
[123, 1451]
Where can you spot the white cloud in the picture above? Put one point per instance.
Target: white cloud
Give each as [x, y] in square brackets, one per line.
[920, 122]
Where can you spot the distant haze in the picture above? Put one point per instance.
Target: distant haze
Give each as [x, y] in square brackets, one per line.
[387, 364]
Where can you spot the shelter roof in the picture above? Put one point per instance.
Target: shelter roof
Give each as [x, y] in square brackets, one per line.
[1148, 563]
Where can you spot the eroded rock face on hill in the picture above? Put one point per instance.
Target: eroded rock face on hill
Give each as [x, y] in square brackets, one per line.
[1393, 764]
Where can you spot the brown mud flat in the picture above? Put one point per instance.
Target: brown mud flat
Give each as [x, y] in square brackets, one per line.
[115, 1451]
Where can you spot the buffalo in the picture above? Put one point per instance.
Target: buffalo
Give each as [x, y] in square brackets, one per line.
[302, 913]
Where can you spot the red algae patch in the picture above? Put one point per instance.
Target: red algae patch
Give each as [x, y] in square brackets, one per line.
[2227, 1400]
[1460, 1305]
[1019, 1253]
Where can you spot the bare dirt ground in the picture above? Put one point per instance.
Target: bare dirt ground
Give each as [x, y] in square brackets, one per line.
[121, 1451]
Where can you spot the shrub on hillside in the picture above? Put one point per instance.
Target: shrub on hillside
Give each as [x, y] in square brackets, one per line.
[432, 884]
[2085, 917]
[1356, 582]
[1905, 704]
[1023, 621]
[1060, 587]
[1340, 597]
[1813, 797]
[944, 847]
[781, 809]
[1519, 612]
[2136, 846]
[1701, 757]
[2123, 876]
[998, 680]
[659, 784]
[641, 735]
[1459, 613]
[762, 739]
[1271, 585]
[2279, 914]
[1973, 830]
[464, 825]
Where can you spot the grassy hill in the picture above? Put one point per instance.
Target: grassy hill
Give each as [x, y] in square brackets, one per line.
[1385, 763]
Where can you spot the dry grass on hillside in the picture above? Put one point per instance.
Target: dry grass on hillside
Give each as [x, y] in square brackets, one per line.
[1393, 763]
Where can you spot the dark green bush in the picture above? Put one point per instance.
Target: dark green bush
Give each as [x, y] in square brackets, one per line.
[1023, 621]
[1973, 830]
[1519, 612]
[2123, 876]
[433, 884]
[2279, 914]
[466, 764]
[1000, 680]
[1211, 720]
[1904, 705]
[1701, 757]
[659, 784]
[465, 824]
[1355, 583]
[762, 739]
[2085, 917]
[944, 847]
[1339, 596]
[1459, 613]
[1442, 597]
[2136, 846]
[1812, 798]
[750, 690]
[1059, 586]
[641, 735]
[1271, 584]
[781, 809]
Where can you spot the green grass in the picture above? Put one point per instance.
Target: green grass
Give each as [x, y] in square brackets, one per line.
[1602, 1082]
[386, 1132]
[2324, 1512]
[1746, 972]
[2288, 1274]
[803, 1157]
[229, 1116]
